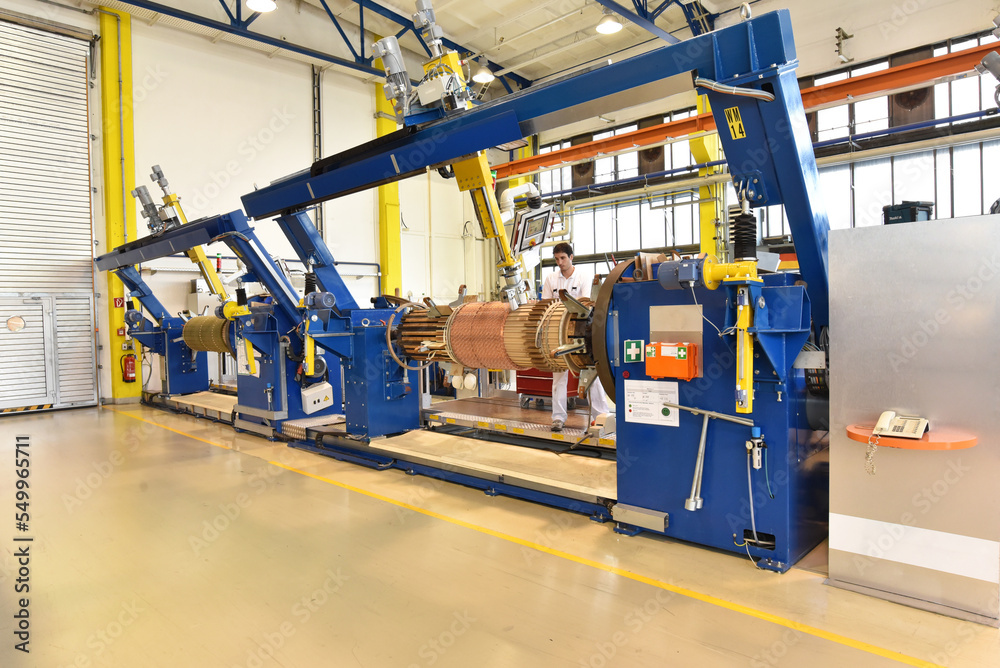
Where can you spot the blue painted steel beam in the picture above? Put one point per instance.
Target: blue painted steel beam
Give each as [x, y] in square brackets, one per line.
[138, 289]
[233, 20]
[639, 20]
[314, 253]
[257, 37]
[773, 158]
[343, 34]
[719, 56]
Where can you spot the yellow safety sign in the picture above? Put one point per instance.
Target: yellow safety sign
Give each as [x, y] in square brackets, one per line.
[735, 121]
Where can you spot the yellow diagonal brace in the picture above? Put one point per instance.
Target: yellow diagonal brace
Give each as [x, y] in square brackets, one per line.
[197, 254]
[707, 148]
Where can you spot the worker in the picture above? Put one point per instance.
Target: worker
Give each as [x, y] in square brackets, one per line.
[577, 285]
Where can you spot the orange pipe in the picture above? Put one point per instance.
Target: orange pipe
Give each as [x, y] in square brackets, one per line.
[894, 78]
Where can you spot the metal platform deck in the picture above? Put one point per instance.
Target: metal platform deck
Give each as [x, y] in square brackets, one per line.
[588, 479]
[212, 405]
[505, 415]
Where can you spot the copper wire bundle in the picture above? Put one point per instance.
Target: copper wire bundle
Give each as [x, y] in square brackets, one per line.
[475, 335]
[422, 336]
[549, 335]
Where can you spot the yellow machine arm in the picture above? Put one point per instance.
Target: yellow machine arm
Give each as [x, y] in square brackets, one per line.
[474, 175]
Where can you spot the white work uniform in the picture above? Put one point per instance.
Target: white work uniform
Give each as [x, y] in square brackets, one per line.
[577, 285]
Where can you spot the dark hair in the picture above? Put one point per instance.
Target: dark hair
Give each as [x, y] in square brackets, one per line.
[563, 247]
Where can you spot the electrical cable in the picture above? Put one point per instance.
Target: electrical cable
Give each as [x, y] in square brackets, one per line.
[388, 340]
[717, 87]
[728, 330]
[753, 520]
[767, 475]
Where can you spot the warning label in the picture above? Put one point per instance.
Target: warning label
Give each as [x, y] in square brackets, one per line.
[644, 401]
[735, 121]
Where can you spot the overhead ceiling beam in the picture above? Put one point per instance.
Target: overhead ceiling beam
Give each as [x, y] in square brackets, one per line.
[257, 37]
[639, 21]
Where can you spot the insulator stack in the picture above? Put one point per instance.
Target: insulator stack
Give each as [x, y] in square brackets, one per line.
[422, 336]
[519, 335]
[475, 335]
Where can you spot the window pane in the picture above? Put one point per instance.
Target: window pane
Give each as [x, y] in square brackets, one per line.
[872, 191]
[583, 232]
[942, 100]
[913, 177]
[942, 159]
[835, 183]
[968, 181]
[628, 227]
[654, 228]
[832, 123]
[604, 170]
[685, 216]
[604, 230]
[871, 115]
[965, 95]
[628, 165]
[991, 165]
[681, 154]
[868, 69]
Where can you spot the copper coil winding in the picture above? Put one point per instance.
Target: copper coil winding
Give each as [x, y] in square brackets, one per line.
[422, 336]
[474, 335]
[549, 335]
[519, 335]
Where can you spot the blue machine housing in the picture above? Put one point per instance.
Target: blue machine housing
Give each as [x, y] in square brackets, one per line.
[656, 463]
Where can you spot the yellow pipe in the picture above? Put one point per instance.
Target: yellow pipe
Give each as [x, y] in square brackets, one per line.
[708, 148]
[390, 246]
[119, 173]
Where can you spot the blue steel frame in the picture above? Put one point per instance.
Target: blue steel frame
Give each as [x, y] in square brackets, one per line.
[186, 370]
[239, 26]
[768, 150]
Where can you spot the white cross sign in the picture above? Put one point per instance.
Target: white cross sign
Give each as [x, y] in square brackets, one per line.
[634, 350]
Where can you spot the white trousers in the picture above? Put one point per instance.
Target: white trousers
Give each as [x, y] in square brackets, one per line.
[596, 395]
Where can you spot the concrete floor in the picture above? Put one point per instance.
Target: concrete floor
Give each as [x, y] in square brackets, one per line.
[165, 540]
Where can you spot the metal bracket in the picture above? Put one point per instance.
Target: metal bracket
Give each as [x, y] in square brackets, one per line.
[573, 305]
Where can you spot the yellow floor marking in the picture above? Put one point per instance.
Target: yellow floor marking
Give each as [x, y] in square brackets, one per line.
[157, 424]
[688, 593]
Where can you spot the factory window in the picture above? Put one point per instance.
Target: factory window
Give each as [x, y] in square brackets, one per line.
[952, 177]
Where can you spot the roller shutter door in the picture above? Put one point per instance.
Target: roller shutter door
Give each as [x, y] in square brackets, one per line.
[46, 240]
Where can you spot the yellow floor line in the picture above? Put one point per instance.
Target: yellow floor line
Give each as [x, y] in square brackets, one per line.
[688, 593]
[157, 424]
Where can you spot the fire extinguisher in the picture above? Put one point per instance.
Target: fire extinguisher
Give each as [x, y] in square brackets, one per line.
[128, 368]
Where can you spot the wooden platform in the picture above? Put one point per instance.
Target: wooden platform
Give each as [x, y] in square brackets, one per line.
[206, 404]
[585, 478]
[503, 414]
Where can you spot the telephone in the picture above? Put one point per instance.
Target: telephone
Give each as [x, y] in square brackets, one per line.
[903, 426]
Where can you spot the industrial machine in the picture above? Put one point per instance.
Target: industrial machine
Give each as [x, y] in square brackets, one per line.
[713, 441]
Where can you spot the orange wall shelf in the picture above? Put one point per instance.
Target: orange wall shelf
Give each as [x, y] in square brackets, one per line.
[939, 439]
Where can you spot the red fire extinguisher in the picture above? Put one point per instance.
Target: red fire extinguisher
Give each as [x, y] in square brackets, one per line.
[128, 368]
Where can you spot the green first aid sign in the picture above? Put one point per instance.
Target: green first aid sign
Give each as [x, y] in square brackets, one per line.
[634, 351]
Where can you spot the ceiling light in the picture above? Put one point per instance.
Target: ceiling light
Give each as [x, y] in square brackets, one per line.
[483, 75]
[609, 23]
[262, 6]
